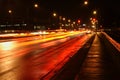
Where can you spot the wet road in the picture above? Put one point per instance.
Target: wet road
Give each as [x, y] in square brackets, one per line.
[33, 58]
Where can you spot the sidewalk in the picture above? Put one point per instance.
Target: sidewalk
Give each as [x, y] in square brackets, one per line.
[98, 64]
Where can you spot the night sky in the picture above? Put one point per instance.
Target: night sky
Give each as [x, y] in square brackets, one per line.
[108, 10]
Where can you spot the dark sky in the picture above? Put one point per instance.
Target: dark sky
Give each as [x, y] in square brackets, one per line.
[108, 10]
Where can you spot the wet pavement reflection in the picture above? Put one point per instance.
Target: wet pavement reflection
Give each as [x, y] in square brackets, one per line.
[30, 60]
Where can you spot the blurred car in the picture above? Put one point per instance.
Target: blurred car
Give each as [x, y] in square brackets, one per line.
[89, 32]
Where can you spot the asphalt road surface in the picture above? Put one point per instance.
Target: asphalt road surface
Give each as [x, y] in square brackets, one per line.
[32, 58]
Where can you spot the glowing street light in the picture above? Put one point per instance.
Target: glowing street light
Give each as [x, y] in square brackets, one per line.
[54, 14]
[90, 18]
[73, 22]
[69, 20]
[78, 21]
[94, 12]
[85, 2]
[63, 19]
[36, 5]
[9, 11]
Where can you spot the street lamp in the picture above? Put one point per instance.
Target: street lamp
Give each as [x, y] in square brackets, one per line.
[63, 19]
[54, 19]
[69, 20]
[54, 14]
[60, 22]
[74, 22]
[36, 5]
[94, 20]
[94, 12]
[35, 19]
[9, 11]
[85, 2]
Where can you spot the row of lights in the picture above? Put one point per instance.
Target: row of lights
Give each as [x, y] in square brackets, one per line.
[60, 17]
[63, 18]
[94, 20]
[35, 5]
[67, 22]
[54, 14]
[86, 3]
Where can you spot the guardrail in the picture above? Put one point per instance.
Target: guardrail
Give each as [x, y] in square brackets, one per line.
[115, 43]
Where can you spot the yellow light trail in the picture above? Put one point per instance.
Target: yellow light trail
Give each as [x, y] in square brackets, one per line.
[48, 39]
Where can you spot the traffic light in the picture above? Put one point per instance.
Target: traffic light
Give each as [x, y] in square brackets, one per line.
[94, 19]
[78, 21]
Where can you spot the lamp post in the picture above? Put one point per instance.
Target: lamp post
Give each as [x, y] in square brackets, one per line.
[95, 21]
[10, 13]
[60, 22]
[54, 23]
[69, 24]
[64, 22]
[30, 15]
[35, 19]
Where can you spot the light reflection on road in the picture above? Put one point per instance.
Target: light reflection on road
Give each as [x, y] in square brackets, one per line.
[31, 59]
[7, 45]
